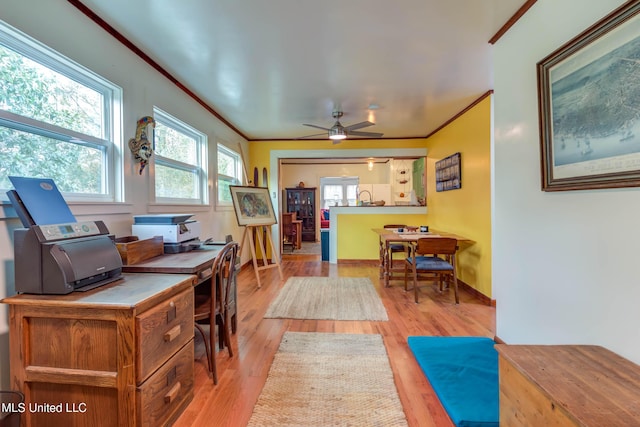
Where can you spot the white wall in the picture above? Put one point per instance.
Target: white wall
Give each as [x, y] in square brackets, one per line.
[565, 267]
[62, 27]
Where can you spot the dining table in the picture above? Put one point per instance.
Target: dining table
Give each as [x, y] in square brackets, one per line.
[389, 236]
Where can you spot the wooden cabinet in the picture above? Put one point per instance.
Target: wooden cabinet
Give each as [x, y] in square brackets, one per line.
[567, 385]
[118, 355]
[302, 201]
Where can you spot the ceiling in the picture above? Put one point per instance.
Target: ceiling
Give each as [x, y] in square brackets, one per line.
[267, 67]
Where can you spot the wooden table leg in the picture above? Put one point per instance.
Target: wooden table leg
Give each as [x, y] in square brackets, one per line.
[381, 255]
[387, 263]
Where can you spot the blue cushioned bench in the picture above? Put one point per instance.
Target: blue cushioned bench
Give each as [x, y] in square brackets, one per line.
[463, 372]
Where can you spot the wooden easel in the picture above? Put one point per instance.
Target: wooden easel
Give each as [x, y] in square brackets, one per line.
[257, 230]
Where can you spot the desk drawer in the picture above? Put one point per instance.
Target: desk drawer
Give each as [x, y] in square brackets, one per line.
[161, 331]
[165, 394]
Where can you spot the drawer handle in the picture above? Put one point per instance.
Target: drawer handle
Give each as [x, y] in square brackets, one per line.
[171, 395]
[171, 312]
[173, 333]
[205, 274]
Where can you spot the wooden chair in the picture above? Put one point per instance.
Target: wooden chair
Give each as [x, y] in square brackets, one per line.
[217, 307]
[434, 256]
[289, 231]
[233, 296]
[395, 248]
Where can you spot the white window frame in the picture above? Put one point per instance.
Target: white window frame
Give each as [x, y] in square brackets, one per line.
[344, 182]
[238, 178]
[199, 169]
[110, 143]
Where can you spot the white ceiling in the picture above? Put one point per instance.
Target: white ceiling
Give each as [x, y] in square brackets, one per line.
[266, 67]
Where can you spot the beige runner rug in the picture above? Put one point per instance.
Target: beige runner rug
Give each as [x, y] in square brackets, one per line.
[327, 379]
[328, 298]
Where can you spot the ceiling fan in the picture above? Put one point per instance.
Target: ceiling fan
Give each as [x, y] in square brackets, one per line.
[337, 132]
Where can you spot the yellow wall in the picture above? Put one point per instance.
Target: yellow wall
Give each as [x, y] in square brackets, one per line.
[361, 242]
[466, 211]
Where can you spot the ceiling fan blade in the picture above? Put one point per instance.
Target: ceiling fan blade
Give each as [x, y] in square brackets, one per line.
[359, 125]
[315, 126]
[311, 136]
[368, 134]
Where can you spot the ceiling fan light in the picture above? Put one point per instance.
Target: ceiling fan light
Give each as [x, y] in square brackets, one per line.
[337, 133]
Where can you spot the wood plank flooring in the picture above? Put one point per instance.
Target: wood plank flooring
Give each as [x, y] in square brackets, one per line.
[241, 378]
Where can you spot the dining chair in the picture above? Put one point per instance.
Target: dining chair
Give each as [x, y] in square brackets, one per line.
[395, 248]
[435, 258]
[216, 307]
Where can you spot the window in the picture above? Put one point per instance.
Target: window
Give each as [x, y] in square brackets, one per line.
[58, 120]
[180, 161]
[339, 191]
[229, 173]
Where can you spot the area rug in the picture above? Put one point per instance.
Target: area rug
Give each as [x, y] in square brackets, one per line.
[327, 379]
[463, 372]
[328, 298]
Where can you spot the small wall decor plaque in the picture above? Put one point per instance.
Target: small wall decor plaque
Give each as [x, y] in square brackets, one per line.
[449, 173]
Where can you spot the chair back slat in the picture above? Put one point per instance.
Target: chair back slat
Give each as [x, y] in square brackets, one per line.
[436, 246]
[224, 270]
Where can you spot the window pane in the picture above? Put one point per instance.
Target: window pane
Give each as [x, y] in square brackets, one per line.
[175, 145]
[74, 168]
[352, 194]
[224, 194]
[176, 183]
[229, 171]
[33, 90]
[226, 164]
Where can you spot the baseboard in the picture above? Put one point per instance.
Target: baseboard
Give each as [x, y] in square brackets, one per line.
[367, 262]
[476, 293]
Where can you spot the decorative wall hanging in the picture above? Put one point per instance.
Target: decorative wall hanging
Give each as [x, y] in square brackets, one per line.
[449, 173]
[140, 146]
[589, 104]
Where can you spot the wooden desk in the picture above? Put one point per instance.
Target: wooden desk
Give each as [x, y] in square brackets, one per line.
[122, 352]
[198, 262]
[567, 385]
[387, 236]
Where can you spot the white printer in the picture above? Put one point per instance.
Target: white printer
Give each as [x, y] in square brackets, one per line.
[180, 234]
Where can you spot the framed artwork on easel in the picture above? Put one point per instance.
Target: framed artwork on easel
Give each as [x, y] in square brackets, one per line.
[252, 205]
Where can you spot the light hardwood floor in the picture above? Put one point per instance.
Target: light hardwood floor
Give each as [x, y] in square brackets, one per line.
[241, 378]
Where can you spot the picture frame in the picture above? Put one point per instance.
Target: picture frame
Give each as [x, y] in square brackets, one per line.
[449, 173]
[252, 205]
[588, 103]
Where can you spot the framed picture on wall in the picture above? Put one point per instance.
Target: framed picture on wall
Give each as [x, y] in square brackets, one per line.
[589, 107]
[252, 205]
[449, 173]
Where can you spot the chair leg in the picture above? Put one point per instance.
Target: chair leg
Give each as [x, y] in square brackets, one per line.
[406, 275]
[211, 361]
[234, 323]
[415, 282]
[220, 325]
[224, 335]
[455, 286]
[227, 333]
